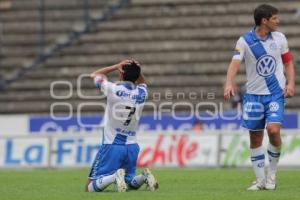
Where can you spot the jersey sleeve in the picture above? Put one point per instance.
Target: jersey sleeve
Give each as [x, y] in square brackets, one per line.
[143, 93]
[284, 48]
[286, 55]
[239, 50]
[103, 84]
[143, 86]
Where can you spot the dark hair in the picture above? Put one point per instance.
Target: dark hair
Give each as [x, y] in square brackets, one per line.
[131, 72]
[264, 11]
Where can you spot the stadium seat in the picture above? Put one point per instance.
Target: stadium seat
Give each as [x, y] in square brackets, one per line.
[183, 45]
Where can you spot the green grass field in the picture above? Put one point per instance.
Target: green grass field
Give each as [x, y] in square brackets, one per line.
[175, 184]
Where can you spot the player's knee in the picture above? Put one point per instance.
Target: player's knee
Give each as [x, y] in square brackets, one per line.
[256, 140]
[273, 131]
[274, 135]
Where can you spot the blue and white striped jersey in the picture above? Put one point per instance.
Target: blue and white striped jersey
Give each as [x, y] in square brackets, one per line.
[125, 102]
[263, 61]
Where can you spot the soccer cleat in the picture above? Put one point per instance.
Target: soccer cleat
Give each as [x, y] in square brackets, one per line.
[122, 187]
[150, 180]
[271, 182]
[259, 184]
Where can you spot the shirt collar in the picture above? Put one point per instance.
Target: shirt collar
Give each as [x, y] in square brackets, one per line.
[255, 38]
[128, 85]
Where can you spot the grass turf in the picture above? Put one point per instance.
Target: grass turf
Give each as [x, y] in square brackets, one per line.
[175, 184]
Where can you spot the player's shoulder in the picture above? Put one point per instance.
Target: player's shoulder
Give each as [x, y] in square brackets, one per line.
[142, 85]
[241, 42]
[245, 34]
[278, 35]
[248, 33]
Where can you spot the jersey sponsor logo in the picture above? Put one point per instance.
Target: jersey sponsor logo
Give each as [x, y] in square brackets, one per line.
[122, 93]
[266, 66]
[140, 97]
[274, 106]
[125, 132]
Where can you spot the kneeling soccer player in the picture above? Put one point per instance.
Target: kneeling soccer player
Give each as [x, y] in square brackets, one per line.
[116, 159]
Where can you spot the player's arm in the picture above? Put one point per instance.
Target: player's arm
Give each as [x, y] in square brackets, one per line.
[290, 75]
[109, 69]
[231, 73]
[238, 56]
[100, 78]
[287, 60]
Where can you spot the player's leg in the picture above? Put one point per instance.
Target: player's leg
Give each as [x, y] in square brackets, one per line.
[99, 184]
[105, 169]
[257, 159]
[257, 153]
[133, 181]
[136, 181]
[274, 148]
[253, 118]
[93, 170]
[145, 177]
[274, 118]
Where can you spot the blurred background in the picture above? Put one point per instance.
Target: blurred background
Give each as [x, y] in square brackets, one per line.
[51, 112]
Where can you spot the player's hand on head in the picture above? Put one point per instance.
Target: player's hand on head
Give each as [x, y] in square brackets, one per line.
[135, 61]
[125, 62]
[122, 64]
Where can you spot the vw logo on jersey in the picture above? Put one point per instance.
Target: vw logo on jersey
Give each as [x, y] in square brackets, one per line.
[266, 65]
[274, 106]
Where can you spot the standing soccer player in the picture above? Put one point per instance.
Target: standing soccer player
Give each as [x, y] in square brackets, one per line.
[116, 159]
[267, 58]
